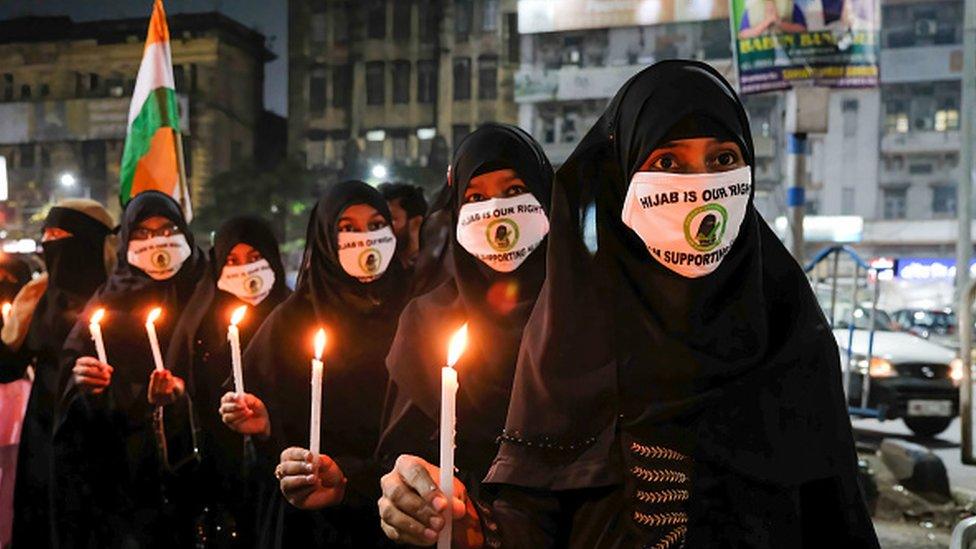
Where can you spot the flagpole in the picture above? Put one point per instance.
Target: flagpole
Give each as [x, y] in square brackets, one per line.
[181, 167]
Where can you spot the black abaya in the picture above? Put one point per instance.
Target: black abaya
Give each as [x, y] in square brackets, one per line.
[731, 428]
[108, 474]
[360, 320]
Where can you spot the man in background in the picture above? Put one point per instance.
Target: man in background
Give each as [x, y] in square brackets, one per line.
[408, 206]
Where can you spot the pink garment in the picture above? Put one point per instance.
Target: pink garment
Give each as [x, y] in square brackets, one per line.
[13, 404]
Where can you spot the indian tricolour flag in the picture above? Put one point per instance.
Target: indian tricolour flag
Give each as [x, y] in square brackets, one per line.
[153, 154]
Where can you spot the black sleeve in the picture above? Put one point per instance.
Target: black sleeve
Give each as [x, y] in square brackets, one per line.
[13, 363]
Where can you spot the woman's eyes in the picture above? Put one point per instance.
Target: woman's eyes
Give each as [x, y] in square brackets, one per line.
[516, 190]
[474, 197]
[665, 163]
[346, 228]
[725, 159]
[376, 225]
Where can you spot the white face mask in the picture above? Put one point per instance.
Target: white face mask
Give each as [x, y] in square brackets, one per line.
[502, 232]
[366, 256]
[688, 221]
[251, 283]
[159, 257]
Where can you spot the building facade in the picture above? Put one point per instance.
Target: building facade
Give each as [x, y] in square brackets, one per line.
[396, 83]
[64, 98]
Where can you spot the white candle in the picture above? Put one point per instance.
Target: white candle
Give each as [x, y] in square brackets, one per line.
[449, 388]
[6, 312]
[234, 336]
[95, 327]
[153, 340]
[315, 425]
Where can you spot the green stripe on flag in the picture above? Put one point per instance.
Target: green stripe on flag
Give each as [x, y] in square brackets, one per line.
[159, 110]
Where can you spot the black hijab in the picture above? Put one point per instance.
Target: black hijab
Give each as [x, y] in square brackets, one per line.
[360, 320]
[495, 305]
[206, 316]
[14, 273]
[76, 268]
[738, 367]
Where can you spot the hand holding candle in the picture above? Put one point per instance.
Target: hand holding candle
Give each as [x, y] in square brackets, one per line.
[449, 387]
[234, 336]
[95, 327]
[153, 340]
[316, 417]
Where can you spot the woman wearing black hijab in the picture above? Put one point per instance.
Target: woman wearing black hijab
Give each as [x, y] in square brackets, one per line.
[245, 270]
[76, 243]
[731, 426]
[500, 183]
[108, 460]
[352, 286]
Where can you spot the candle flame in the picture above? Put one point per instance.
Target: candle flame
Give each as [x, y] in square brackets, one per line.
[153, 315]
[458, 342]
[238, 315]
[97, 316]
[319, 343]
[6, 308]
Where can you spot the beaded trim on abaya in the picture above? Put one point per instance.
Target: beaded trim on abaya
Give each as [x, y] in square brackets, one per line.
[660, 475]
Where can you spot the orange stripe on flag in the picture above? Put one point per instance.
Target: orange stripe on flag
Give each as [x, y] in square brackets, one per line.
[157, 169]
[158, 30]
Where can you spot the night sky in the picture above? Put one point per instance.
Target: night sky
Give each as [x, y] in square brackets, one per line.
[270, 17]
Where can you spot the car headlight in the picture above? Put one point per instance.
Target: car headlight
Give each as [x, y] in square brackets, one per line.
[879, 367]
[956, 370]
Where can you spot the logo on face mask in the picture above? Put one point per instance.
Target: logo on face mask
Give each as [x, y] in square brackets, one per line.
[502, 232]
[705, 226]
[370, 260]
[253, 285]
[161, 259]
[688, 221]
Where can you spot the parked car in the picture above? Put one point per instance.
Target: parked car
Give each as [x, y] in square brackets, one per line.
[936, 325]
[910, 378]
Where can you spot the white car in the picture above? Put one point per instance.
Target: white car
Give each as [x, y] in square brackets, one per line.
[910, 378]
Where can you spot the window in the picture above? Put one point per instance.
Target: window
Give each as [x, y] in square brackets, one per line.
[317, 91]
[462, 20]
[340, 25]
[45, 157]
[375, 83]
[45, 90]
[428, 14]
[27, 156]
[458, 132]
[426, 81]
[25, 91]
[514, 43]
[849, 109]
[8, 87]
[947, 116]
[342, 86]
[944, 199]
[402, 20]
[179, 78]
[489, 15]
[896, 116]
[847, 201]
[401, 82]
[400, 152]
[376, 19]
[317, 28]
[92, 82]
[488, 77]
[895, 201]
[374, 149]
[462, 78]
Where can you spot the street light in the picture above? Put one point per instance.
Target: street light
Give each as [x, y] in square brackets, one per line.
[68, 180]
[379, 171]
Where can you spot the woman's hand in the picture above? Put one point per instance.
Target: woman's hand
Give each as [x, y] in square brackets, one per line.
[412, 507]
[164, 388]
[246, 415]
[307, 483]
[91, 375]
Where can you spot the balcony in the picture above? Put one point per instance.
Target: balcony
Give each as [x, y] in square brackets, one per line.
[571, 83]
[921, 64]
[920, 141]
